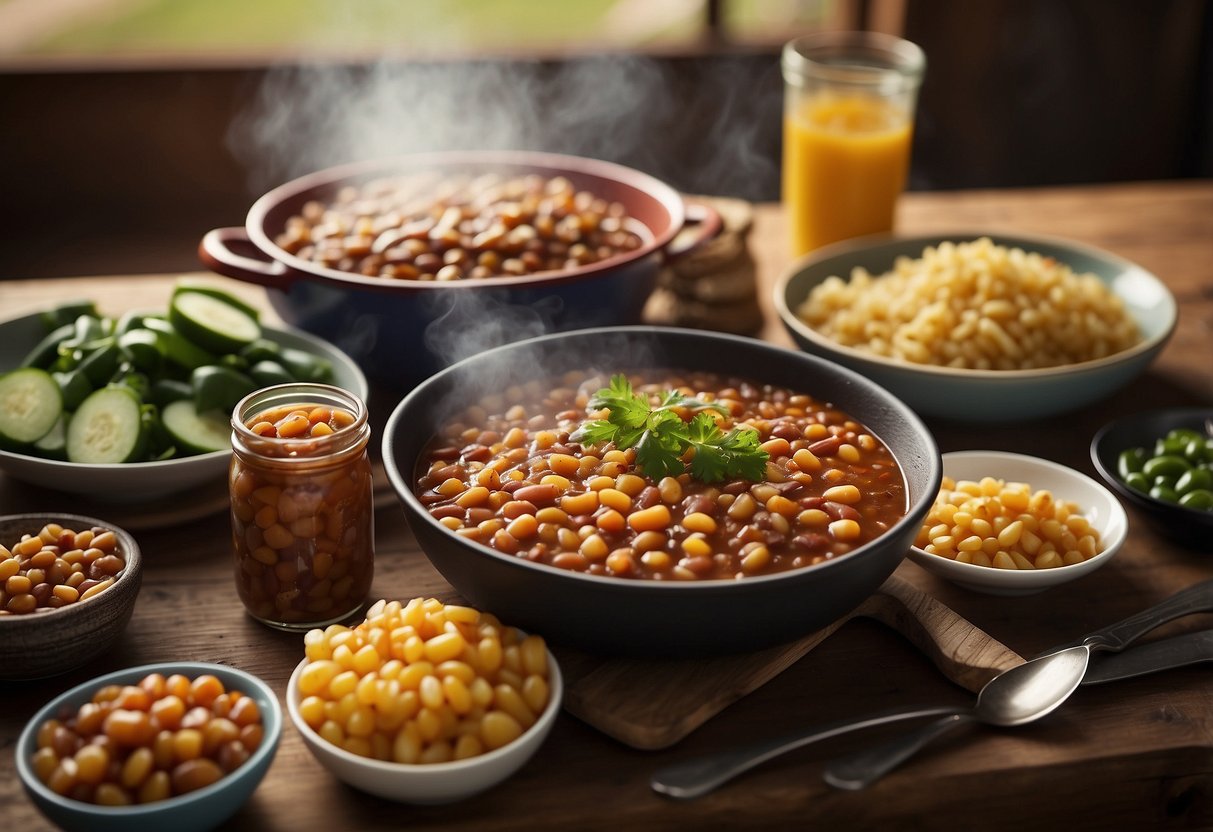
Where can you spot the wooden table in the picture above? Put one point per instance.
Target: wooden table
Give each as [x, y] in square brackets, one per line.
[1134, 755]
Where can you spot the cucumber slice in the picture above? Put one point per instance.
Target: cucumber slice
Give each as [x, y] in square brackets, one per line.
[211, 322]
[107, 427]
[195, 432]
[54, 444]
[187, 284]
[30, 402]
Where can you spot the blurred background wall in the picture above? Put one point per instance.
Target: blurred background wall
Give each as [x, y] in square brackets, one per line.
[125, 138]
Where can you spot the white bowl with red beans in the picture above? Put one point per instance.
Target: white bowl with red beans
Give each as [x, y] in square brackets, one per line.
[592, 542]
[68, 586]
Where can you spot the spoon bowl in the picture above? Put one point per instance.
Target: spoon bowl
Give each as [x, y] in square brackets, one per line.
[1033, 689]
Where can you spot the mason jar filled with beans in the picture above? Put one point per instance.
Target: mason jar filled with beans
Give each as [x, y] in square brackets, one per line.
[302, 505]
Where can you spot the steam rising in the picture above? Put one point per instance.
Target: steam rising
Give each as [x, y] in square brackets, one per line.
[625, 108]
[714, 130]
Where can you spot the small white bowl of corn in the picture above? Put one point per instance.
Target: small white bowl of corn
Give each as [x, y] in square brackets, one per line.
[1011, 524]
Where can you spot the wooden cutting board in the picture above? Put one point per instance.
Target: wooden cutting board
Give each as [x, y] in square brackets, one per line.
[651, 704]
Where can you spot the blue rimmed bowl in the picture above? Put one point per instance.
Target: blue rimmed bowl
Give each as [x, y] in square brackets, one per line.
[206, 808]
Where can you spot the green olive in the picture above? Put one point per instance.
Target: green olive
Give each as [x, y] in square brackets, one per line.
[1138, 482]
[1165, 494]
[1130, 461]
[1167, 465]
[1198, 479]
[1194, 451]
[1201, 499]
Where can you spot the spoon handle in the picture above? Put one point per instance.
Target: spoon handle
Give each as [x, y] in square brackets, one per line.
[1118, 636]
[701, 775]
[862, 769]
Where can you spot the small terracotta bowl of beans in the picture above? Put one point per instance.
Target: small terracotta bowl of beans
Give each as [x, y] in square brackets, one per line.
[424, 702]
[67, 590]
[175, 745]
[1009, 524]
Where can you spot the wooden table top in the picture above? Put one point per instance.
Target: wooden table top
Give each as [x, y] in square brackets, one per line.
[1133, 755]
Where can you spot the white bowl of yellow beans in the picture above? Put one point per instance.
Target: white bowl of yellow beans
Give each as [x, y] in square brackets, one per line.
[1010, 524]
[424, 702]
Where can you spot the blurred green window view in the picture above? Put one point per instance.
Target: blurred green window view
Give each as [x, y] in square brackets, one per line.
[261, 29]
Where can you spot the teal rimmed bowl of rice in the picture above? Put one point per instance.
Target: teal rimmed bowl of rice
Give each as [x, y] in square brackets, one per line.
[979, 327]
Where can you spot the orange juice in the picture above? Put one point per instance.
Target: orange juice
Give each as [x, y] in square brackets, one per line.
[845, 161]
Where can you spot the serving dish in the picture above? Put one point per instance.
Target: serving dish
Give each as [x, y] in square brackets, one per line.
[986, 395]
[1096, 503]
[620, 616]
[41, 644]
[1185, 525]
[430, 783]
[431, 324]
[141, 481]
[205, 808]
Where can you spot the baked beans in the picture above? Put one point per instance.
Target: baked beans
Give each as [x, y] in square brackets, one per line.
[430, 227]
[302, 511]
[507, 475]
[57, 567]
[147, 742]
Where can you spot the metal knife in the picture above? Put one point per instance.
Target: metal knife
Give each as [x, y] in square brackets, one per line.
[1164, 654]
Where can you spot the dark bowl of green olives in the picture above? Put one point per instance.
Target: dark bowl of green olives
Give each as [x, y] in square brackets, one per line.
[1162, 462]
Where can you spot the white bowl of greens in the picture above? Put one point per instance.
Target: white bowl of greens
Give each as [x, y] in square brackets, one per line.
[137, 407]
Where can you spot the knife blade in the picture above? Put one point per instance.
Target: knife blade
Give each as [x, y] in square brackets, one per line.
[1164, 654]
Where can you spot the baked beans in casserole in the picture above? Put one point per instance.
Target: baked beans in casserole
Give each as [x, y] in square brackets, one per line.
[509, 474]
[430, 227]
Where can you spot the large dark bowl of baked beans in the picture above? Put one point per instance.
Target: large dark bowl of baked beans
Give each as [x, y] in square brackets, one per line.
[409, 264]
[576, 543]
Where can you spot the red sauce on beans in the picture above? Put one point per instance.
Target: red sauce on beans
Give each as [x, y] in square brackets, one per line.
[507, 475]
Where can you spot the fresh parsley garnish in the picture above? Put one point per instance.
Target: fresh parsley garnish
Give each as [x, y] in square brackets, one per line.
[661, 437]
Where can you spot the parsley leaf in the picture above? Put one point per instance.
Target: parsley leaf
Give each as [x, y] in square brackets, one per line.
[661, 437]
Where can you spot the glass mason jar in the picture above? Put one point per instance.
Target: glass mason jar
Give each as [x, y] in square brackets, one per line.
[303, 521]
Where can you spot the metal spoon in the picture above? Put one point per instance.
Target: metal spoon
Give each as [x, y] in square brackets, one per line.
[701, 775]
[1022, 694]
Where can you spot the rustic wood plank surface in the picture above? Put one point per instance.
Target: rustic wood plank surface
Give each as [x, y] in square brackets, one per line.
[1133, 755]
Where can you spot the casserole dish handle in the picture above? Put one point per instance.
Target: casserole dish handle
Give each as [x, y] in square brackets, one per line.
[708, 226]
[230, 252]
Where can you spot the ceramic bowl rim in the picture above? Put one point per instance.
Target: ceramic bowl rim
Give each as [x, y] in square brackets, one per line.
[1015, 239]
[78, 693]
[968, 573]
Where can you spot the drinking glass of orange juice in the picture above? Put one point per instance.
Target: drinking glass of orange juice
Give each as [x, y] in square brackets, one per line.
[848, 120]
